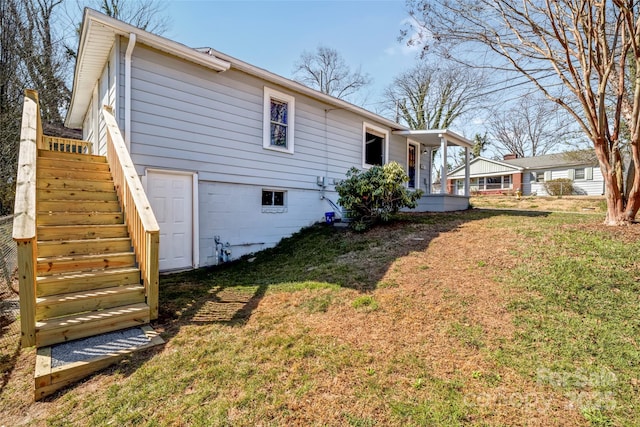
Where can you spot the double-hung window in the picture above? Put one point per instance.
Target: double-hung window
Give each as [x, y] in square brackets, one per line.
[278, 121]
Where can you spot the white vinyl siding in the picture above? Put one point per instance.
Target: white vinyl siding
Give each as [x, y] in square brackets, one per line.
[185, 117]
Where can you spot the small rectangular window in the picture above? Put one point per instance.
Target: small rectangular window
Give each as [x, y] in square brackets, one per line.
[272, 198]
[578, 174]
[539, 176]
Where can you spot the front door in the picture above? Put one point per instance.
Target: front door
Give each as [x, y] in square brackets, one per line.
[171, 197]
[411, 164]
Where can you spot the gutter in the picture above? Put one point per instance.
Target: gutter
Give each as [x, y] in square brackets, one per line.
[127, 90]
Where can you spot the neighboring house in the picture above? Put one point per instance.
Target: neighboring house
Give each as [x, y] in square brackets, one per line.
[528, 174]
[233, 158]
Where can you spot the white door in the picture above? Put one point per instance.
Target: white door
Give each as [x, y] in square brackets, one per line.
[171, 197]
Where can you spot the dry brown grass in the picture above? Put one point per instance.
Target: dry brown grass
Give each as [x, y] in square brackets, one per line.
[584, 204]
[429, 345]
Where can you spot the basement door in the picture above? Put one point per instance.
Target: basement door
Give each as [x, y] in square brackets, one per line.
[171, 198]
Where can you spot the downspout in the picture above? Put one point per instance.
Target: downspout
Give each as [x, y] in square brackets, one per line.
[127, 90]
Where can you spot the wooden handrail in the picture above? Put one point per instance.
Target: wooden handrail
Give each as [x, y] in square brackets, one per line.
[24, 222]
[142, 224]
[67, 145]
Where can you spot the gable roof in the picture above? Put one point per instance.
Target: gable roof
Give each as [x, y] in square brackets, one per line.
[556, 160]
[99, 32]
[484, 166]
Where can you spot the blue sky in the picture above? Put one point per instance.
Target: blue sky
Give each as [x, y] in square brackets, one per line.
[273, 34]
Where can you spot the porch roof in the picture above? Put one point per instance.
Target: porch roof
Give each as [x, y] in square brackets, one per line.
[433, 137]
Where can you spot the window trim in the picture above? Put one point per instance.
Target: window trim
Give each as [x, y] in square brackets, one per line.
[274, 208]
[270, 94]
[584, 174]
[382, 132]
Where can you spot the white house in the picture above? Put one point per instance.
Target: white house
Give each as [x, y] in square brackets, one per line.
[233, 158]
[529, 174]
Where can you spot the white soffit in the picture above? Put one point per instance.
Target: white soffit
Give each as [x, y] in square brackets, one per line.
[433, 137]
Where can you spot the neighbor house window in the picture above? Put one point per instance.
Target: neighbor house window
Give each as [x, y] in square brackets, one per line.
[539, 176]
[278, 120]
[374, 145]
[578, 174]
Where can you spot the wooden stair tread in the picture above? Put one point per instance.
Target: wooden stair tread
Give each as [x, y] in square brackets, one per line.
[79, 257]
[51, 248]
[64, 155]
[70, 163]
[58, 305]
[89, 293]
[61, 232]
[62, 264]
[61, 173]
[90, 323]
[80, 218]
[75, 195]
[59, 206]
[72, 184]
[87, 280]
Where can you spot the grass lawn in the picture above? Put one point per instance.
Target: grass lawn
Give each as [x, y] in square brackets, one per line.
[482, 318]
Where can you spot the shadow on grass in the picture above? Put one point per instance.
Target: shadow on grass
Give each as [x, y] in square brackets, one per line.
[318, 256]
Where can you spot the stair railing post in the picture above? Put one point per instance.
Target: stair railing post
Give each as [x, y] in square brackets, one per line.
[24, 223]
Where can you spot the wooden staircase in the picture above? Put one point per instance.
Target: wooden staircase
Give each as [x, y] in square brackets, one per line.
[87, 244]
[87, 279]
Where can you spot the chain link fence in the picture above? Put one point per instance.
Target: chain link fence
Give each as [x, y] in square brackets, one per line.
[9, 302]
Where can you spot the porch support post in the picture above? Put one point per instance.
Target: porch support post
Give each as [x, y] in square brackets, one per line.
[443, 166]
[467, 172]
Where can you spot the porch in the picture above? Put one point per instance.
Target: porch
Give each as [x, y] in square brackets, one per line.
[442, 198]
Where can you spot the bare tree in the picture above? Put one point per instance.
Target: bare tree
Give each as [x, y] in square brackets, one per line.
[326, 70]
[10, 97]
[576, 52]
[42, 57]
[533, 127]
[148, 15]
[433, 97]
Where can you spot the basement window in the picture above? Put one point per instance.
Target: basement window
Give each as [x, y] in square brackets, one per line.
[274, 201]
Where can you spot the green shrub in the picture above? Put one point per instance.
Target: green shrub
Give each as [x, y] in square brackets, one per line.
[559, 187]
[375, 194]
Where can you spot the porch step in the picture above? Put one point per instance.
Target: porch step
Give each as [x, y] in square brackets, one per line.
[74, 184]
[54, 248]
[75, 195]
[79, 232]
[64, 162]
[71, 156]
[86, 281]
[52, 306]
[91, 323]
[79, 218]
[60, 264]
